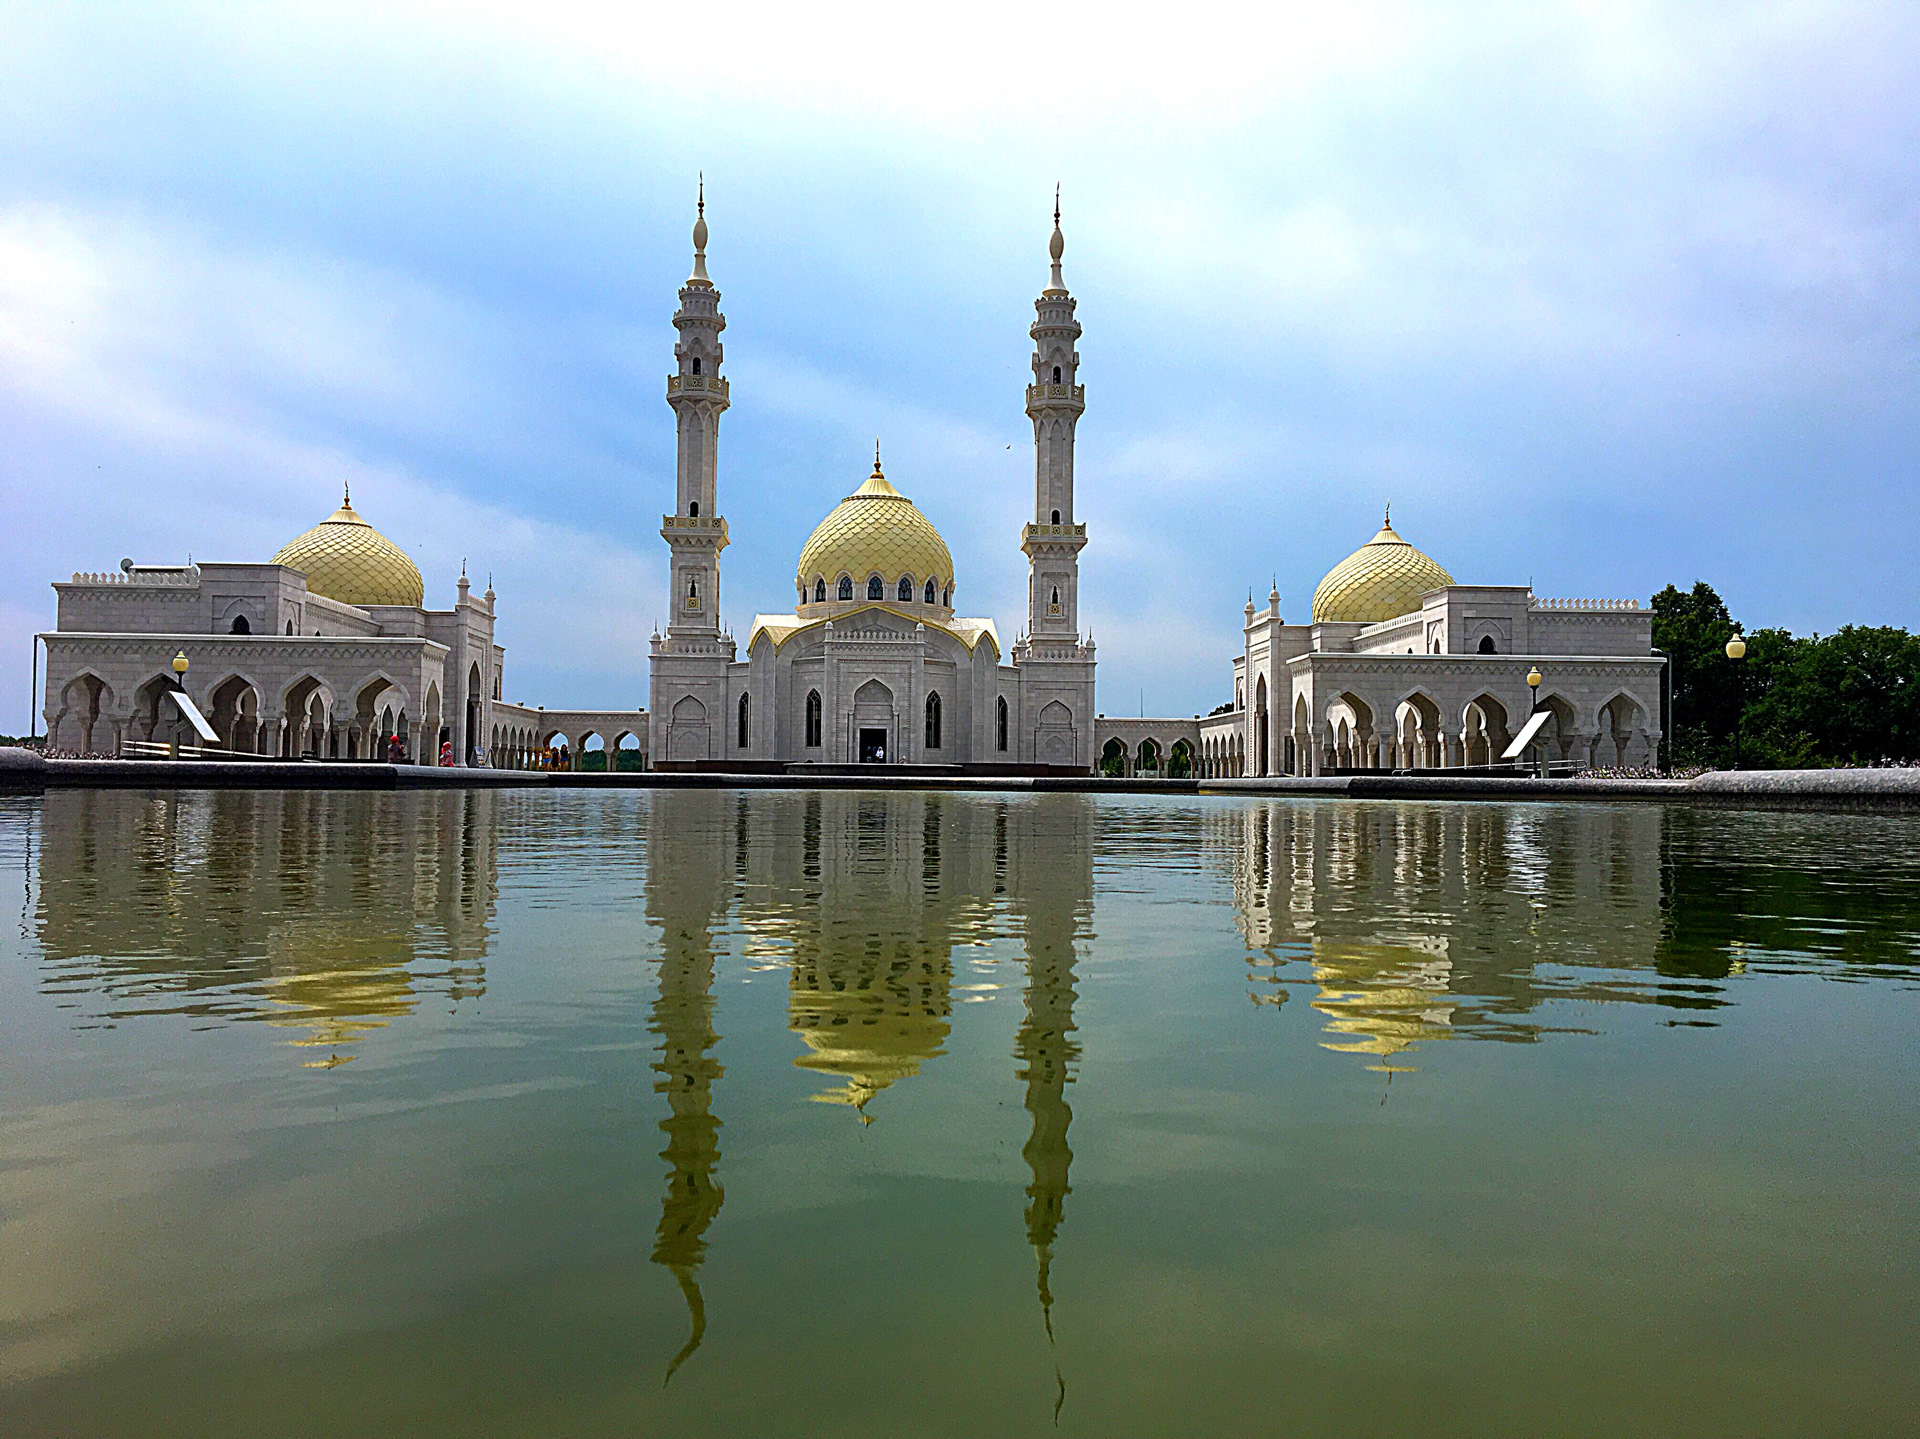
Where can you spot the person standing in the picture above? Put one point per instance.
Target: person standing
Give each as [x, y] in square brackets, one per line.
[446, 754]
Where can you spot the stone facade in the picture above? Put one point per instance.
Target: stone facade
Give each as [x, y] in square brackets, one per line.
[276, 669]
[873, 666]
[1441, 686]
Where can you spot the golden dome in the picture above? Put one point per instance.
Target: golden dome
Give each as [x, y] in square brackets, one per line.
[875, 530]
[347, 559]
[1381, 580]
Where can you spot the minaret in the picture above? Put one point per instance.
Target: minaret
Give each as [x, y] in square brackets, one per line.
[686, 900]
[1054, 401]
[695, 531]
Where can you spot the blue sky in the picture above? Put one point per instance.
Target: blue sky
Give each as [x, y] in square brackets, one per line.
[1600, 297]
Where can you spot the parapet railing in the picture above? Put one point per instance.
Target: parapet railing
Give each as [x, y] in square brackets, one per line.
[1539, 604]
[186, 577]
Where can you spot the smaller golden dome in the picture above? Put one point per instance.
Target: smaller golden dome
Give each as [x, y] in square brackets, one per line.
[876, 530]
[1381, 580]
[347, 559]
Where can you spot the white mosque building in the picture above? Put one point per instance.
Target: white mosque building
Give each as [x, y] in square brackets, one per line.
[1400, 667]
[328, 650]
[873, 665]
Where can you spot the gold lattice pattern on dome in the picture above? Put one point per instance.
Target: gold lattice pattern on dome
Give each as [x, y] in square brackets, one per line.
[876, 529]
[1381, 580]
[347, 559]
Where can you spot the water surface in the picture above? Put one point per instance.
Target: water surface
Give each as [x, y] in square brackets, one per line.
[774, 1113]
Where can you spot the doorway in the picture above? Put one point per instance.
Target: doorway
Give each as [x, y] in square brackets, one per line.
[873, 746]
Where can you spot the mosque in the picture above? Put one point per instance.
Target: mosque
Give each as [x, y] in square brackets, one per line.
[328, 650]
[874, 665]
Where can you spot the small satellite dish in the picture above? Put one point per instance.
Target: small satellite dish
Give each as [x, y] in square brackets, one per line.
[126, 566]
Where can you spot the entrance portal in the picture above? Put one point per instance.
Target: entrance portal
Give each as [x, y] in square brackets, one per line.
[873, 746]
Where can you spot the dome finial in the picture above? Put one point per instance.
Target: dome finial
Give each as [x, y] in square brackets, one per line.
[699, 275]
[346, 494]
[1057, 244]
[1386, 522]
[876, 458]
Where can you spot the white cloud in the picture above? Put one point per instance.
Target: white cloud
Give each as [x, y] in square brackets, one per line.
[206, 375]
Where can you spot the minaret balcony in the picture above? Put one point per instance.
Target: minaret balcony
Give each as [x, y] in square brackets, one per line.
[703, 384]
[1052, 537]
[710, 528]
[1057, 394]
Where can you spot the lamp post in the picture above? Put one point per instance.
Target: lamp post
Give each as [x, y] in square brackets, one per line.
[179, 683]
[1533, 708]
[1737, 651]
[1666, 711]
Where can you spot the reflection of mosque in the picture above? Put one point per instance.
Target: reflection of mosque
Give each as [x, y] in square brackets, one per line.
[865, 897]
[1411, 923]
[329, 912]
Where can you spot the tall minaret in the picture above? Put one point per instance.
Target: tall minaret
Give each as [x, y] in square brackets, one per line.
[1053, 541]
[698, 394]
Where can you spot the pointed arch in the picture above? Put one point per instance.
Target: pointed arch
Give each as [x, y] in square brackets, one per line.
[813, 719]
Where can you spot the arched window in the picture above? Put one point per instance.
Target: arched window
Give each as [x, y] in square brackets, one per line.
[933, 595]
[819, 591]
[1056, 374]
[1056, 517]
[876, 588]
[1000, 724]
[743, 721]
[1056, 595]
[846, 587]
[948, 601]
[1486, 644]
[240, 625]
[693, 509]
[813, 719]
[289, 626]
[693, 588]
[696, 364]
[933, 721]
[906, 589]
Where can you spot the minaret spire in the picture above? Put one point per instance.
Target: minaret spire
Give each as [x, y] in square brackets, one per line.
[699, 275]
[1056, 247]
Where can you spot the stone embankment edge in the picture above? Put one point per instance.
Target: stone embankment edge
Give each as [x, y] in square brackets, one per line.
[1877, 789]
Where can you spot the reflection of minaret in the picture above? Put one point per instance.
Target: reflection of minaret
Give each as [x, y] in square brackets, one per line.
[683, 898]
[1053, 890]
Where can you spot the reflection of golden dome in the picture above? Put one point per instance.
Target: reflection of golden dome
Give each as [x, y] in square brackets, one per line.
[876, 530]
[347, 559]
[869, 1024]
[1381, 580]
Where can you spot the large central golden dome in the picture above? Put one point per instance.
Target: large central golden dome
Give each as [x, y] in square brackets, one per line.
[1381, 580]
[347, 559]
[876, 530]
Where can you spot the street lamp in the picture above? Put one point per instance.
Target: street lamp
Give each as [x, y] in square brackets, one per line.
[1737, 650]
[180, 666]
[1533, 708]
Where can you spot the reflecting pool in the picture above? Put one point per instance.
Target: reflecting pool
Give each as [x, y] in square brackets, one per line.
[851, 1113]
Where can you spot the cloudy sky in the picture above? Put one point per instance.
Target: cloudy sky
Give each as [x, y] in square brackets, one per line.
[1599, 297]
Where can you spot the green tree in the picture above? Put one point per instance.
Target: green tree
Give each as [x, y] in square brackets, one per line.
[1848, 698]
[1692, 628]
